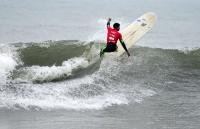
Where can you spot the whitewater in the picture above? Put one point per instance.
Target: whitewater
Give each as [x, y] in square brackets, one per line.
[51, 75]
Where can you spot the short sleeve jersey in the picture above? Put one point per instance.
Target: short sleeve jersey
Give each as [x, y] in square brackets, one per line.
[113, 35]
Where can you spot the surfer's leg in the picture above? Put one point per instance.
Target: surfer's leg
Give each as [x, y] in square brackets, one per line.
[102, 50]
[110, 48]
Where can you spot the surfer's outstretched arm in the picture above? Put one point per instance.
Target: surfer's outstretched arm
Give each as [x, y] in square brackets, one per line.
[108, 22]
[124, 46]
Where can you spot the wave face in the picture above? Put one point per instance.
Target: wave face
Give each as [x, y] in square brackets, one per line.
[70, 75]
[54, 61]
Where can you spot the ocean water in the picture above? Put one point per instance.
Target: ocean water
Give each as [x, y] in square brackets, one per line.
[51, 76]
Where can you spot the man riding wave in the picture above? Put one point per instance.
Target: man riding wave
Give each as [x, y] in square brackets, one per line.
[113, 35]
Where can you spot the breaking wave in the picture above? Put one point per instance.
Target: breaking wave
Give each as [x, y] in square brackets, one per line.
[70, 75]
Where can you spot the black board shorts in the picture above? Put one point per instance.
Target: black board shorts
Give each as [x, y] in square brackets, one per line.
[110, 47]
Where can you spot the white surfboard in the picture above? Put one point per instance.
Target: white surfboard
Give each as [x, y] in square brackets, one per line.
[133, 32]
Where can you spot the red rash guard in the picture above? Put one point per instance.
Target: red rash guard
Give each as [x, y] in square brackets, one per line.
[113, 35]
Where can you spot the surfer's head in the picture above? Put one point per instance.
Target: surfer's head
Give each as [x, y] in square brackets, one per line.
[116, 26]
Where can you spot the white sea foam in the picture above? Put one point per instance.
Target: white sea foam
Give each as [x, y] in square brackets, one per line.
[49, 73]
[56, 96]
[72, 94]
[50, 102]
[8, 62]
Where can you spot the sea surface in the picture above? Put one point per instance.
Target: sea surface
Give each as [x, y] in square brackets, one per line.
[51, 76]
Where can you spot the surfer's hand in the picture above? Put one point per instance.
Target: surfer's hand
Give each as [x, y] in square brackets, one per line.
[109, 19]
[128, 53]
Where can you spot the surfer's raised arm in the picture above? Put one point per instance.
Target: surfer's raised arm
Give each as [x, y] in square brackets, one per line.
[124, 46]
[108, 22]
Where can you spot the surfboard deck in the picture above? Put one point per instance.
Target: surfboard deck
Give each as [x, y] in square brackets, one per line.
[133, 32]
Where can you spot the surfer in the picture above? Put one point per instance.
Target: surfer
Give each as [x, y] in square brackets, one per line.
[113, 35]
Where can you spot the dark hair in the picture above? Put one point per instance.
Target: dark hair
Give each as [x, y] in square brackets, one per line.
[116, 25]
